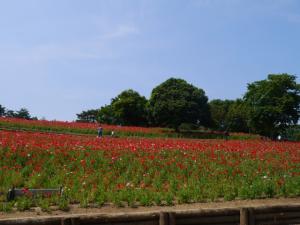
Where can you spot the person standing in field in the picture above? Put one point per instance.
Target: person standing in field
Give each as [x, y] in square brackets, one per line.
[100, 131]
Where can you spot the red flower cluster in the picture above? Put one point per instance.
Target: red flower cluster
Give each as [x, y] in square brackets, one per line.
[65, 142]
[76, 125]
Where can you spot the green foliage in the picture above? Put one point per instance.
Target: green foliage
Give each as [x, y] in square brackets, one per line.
[24, 203]
[230, 115]
[219, 110]
[129, 108]
[292, 133]
[188, 127]
[237, 117]
[44, 204]
[89, 116]
[175, 102]
[6, 206]
[274, 104]
[170, 177]
[10, 113]
[2, 110]
[63, 203]
[106, 115]
[23, 113]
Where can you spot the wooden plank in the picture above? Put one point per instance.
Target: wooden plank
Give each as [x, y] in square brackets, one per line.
[32, 221]
[280, 222]
[281, 215]
[123, 223]
[208, 220]
[172, 218]
[281, 208]
[207, 212]
[163, 218]
[251, 216]
[136, 222]
[120, 217]
[75, 221]
[70, 221]
[244, 216]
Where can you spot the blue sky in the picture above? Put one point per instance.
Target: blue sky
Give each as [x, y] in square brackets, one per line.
[59, 57]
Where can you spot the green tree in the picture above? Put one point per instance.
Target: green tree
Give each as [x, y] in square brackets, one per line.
[175, 102]
[89, 116]
[10, 113]
[2, 110]
[23, 113]
[129, 108]
[237, 117]
[274, 104]
[106, 115]
[219, 109]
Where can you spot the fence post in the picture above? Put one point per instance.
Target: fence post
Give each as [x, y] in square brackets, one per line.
[163, 218]
[244, 216]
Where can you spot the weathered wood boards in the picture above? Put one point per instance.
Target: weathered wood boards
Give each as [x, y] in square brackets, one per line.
[267, 215]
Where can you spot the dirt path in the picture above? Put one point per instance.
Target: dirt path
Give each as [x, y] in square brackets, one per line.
[36, 212]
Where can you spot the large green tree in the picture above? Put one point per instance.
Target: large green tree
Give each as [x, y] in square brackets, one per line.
[129, 108]
[175, 102]
[237, 117]
[219, 109]
[106, 115]
[274, 104]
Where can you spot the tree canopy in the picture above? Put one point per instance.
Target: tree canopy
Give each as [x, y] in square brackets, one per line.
[129, 108]
[273, 104]
[89, 116]
[22, 113]
[2, 110]
[106, 115]
[219, 110]
[268, 107]
[237, 117]
[175, 102]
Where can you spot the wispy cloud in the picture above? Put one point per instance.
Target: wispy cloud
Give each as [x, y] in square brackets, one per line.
[92, 48]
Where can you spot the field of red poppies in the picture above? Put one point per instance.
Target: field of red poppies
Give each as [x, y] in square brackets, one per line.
[145, 171]
[77, 127]
[120, 131]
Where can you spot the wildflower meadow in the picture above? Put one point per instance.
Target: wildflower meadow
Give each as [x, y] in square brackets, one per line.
[145, 171]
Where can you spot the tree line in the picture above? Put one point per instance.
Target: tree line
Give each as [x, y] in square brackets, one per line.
[22, 113]
[269, 107]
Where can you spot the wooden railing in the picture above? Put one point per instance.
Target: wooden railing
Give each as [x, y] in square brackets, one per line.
[267, 215]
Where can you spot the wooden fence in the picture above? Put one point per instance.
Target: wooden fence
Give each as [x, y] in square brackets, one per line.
[267, 215]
